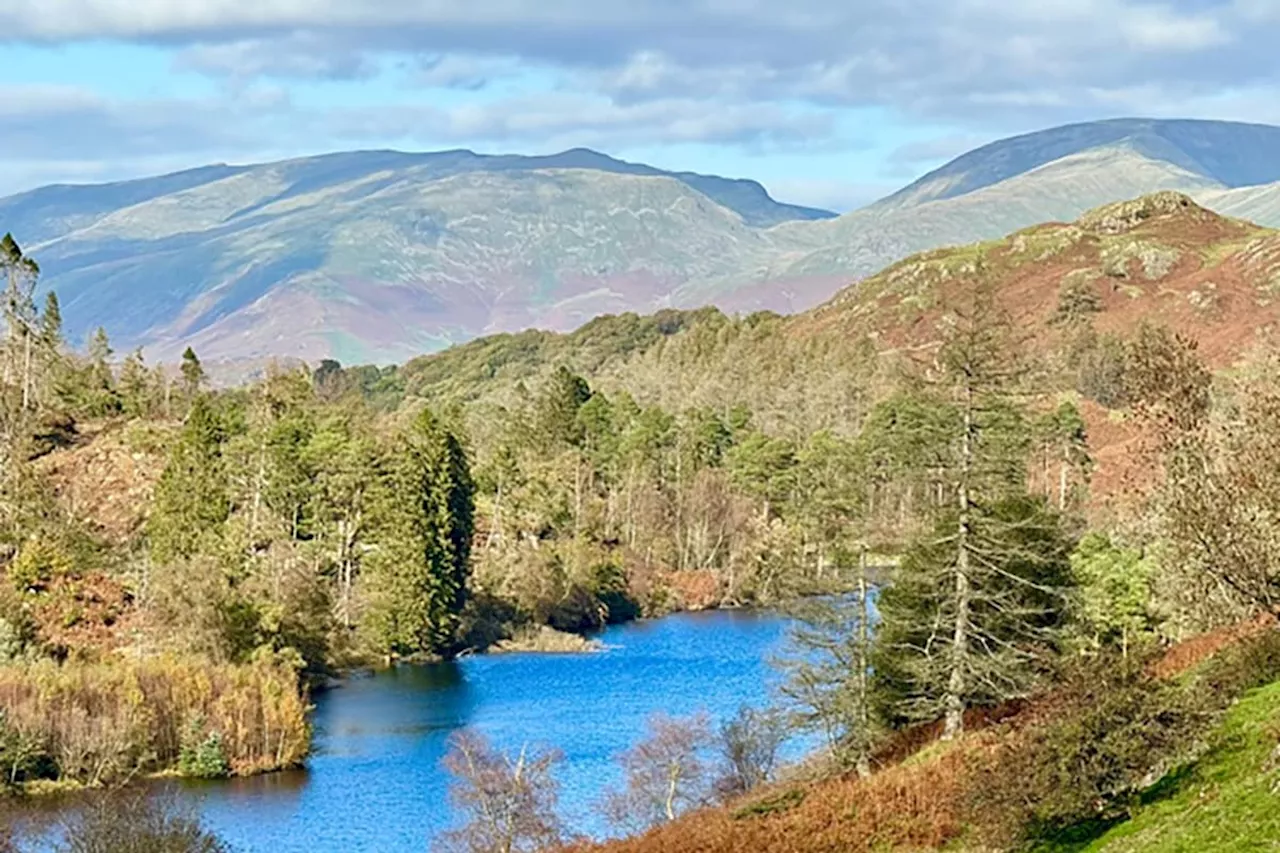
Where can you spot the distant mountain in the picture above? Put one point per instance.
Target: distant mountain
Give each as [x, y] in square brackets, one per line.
[381, 255]
[1229, 154]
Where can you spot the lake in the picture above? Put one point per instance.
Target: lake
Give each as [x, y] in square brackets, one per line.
[375, 780]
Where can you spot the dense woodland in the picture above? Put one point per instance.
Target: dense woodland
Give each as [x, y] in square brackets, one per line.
[924, 511]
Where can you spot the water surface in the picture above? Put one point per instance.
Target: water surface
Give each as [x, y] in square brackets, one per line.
[376, 783]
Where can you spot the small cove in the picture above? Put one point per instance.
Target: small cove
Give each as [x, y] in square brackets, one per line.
[375, 781]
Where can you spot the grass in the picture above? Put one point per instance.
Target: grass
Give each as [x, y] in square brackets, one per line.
[1226, 802]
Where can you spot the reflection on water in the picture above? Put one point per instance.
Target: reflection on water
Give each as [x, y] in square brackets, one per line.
[375, 782]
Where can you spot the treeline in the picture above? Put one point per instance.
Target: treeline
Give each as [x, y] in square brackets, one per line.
[316, 520]
[1001, 604]
[289, 534]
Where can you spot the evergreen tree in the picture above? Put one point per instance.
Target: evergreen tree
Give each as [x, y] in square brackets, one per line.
[980, 637]
[21, 273]
[557, 410]
[101, 397]
[424, 516]
[136, 386]
[192, 499]
[192, 374]
[1013, 610]
[51, 323]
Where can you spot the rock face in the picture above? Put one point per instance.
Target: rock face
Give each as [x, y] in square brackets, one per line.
[1126, 215]
[379, 256]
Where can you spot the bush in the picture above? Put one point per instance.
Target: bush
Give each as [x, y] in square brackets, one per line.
[1239, 668]
[136, 822]
[202, 755]
[17, 628]
[1112, 732]
[22, 756]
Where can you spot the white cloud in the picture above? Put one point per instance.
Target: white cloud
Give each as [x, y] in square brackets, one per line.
[562, 119]
[757, 74]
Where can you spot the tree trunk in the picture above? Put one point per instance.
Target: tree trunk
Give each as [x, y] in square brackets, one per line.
[495, 531]
[673, 785]
[1062, 479]
[26, 371]
[954, 699]
[864, 639]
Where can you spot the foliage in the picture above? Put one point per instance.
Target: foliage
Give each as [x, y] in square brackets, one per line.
[1219, 498]
[1116, 736]
[1224, 803]
[1015, 614]
[192, 499]
[422, 542]
[201, 755]
[1115, 593]
[828, 685]
[1114, 732]
[100, 723]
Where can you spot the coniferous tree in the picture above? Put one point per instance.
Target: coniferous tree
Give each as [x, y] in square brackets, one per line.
[136, 386]
[192, 498]
[101, 397]
[418, 568]
[51, 323]
[192, 374]
[974, 602]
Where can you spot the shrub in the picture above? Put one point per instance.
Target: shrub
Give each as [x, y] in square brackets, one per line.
[1113, 731]
[1127, 733]
[136, 822]
[22, 756]
[202, 755]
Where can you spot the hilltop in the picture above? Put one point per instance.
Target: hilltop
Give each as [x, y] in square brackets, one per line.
[379, 256]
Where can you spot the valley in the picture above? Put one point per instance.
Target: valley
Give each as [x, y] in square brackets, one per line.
[1007, 478]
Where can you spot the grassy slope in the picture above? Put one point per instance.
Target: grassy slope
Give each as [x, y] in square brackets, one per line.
[1224, 803]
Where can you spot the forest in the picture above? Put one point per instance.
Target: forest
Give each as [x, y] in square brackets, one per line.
[930, 510]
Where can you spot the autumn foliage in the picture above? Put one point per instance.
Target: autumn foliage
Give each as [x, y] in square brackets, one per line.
[103, 723]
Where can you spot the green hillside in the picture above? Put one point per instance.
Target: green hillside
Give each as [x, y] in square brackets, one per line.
[1224, 803]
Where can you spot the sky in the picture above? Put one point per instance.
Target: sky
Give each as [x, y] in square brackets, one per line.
[830, 103]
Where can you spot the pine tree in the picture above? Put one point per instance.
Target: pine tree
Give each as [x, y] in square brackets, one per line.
[424, 519]
[136, 386]
[974, 601]
[557, 410]
[192, 374]
[51, 323]
[192, 498]
[21, 274]
[101, 397]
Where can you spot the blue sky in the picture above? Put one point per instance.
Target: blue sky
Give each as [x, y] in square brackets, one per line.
[827, 103]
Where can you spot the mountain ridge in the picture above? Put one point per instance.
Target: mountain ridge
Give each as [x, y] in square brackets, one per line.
[381, 255]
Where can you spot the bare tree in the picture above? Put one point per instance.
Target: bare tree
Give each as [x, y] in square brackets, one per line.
[666, 774]
[135, 821]
[510, 803]
[749, 744]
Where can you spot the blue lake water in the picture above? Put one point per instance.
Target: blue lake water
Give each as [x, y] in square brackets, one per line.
[376, 782]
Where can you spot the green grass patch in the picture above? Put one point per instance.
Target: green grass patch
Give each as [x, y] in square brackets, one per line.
[1228, 801]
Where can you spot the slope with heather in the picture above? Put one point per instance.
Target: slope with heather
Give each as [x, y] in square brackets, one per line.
[1161, 259]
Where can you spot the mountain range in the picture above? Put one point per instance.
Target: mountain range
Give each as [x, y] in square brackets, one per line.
[382, 255]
